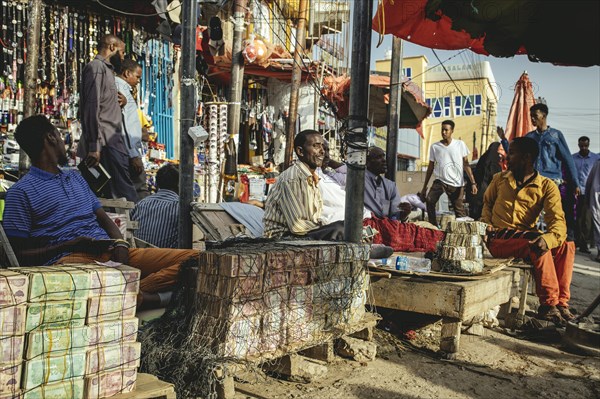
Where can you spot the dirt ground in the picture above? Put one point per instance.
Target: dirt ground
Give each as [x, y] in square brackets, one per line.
[495, 364]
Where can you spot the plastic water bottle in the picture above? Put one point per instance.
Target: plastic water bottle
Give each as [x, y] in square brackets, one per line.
[419, 265]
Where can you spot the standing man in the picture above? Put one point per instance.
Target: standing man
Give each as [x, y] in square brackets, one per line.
[158, 214]
[592, 188]
[553, 158]
[584, 161]
[102, 139]
[512, 204]
[128, 79]
[381, 194]
[448, 159]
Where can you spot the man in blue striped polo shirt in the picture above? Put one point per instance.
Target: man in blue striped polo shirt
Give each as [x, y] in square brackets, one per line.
[158, 214]
[53, 217]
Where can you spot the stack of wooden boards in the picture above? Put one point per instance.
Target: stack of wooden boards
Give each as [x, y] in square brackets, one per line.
[68, 331]
[461, 251]
[263, 300]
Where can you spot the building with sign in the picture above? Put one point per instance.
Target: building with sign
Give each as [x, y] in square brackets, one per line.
[465, 93]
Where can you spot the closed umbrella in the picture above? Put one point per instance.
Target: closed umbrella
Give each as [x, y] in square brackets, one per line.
[519, 122]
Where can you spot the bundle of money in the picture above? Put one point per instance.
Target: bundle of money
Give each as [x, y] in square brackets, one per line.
[14, 287]
[462, 266]
[46, 342]
[55, 283]
[111, 280]
[107, 357]
[11, 349]
[113, 331]
[56, 314]
[69, 388]
[466, 227]
[110, 383]
[43, 370]
[111, 307]
[10, 377]
[462, 240]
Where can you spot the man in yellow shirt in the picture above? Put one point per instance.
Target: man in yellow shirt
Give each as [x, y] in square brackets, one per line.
[512, 204]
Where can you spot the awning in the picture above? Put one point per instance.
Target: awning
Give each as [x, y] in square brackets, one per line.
[560, 32]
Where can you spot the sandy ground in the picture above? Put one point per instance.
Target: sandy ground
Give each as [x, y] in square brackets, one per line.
[493, 365]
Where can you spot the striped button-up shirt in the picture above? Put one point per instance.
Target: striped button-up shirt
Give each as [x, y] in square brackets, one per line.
[158, 216]
[294, 203]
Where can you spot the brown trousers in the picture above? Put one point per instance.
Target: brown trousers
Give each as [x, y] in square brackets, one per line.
[455, 195]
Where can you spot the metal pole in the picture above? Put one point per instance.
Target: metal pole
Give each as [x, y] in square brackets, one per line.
[31, 69]
[395, 104]
[356, 136]
[187, 116]
[296, 80]
[237, 67]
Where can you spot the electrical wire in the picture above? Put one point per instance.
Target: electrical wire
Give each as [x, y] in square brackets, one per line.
[137, 14]
[448, 73]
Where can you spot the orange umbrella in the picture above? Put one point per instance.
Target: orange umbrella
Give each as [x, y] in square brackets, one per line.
[519, 122]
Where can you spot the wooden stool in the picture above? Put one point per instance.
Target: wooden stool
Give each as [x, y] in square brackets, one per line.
[149, 387]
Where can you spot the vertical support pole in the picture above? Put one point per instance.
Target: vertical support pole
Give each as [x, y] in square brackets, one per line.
[237, 67]
[356, 137]
[186, 120]
[395, 104]
[296, 80]
[31, 70]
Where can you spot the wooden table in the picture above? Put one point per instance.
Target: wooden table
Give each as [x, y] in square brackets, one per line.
[148, 386]
[454, 301]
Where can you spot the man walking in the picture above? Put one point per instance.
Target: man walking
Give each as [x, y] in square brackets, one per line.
[448, 161]
[102, 141]
[584, 161]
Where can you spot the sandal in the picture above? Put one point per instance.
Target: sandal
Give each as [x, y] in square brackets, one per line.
[565, 313]
[550, 313]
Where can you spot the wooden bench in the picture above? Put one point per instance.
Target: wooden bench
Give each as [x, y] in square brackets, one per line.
[148, 386]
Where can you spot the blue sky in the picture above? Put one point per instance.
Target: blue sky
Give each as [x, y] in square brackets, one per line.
[572, 93]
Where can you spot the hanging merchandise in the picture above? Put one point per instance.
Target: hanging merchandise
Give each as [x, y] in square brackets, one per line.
[212, 159]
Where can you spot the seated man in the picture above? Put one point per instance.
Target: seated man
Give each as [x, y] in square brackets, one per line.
[52, 217]
[158, 214]
[511, 205]
[294, 204]
[381, 194]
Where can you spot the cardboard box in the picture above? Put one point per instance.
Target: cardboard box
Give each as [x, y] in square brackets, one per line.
[44, 370]
[71, 388]
[110, 383]
[56, 342]
[14, 287]
[107, 357]
[56, 283]
[56, 314]
[111, 307]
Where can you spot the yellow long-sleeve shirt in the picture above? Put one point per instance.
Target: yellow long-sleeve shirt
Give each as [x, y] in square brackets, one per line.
[506, 206]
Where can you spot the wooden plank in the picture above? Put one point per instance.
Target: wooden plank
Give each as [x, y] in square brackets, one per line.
[147, 387]
[481, 296]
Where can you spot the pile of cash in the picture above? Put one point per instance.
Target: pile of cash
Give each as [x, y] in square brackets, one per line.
[280, 296]
[461, 251]
[68, 331]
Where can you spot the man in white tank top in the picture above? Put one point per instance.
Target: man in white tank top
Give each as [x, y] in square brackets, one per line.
[447, 160]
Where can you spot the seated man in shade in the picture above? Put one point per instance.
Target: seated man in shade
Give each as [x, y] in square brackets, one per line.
[52, 217]
[511, 205]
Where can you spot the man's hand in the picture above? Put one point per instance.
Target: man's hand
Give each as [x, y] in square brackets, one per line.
[500, 132]
[489, 230]
[539, 246]
[120, 254]
[405, 210]
[79, 244]
[136, 164]
[577, 191]
[474, 189]
[121, 99]
[92, 159]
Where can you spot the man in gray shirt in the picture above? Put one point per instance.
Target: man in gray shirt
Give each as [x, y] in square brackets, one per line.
[381, 195]
[102, 138]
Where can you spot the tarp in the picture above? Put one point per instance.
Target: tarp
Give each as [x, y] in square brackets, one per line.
[560, 32]
[413, 107]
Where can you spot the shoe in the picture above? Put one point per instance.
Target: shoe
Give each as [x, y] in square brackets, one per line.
[380, 251]
[565, 313]
[550, 313]
[584, 250]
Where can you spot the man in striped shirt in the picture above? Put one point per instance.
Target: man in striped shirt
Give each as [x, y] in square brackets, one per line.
[294, 204]
[53, 217]
[158, 214]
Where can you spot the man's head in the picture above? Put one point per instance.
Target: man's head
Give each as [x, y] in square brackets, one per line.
[113, 49]
[376, 161]
[447, 129]
[131, 72]
[584, 145]
[538, 113]
[39, 138]
[522, 154]
[326, 156]
[308, 145]
[167, 178]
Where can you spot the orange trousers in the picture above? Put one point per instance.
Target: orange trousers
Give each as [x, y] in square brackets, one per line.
[553, 270]
[159, 266]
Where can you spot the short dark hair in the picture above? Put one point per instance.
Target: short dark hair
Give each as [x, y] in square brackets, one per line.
[129, 65]
[106, 40]
[301, 137]
[30, 134]
[448, 122]
[584, 138]
[543, 108]
[167, 177]
[527, 145]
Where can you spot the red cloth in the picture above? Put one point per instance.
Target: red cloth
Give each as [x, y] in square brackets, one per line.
[404, 237]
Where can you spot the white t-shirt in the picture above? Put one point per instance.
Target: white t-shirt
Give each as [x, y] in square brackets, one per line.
[449, 161]
[334, 200]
